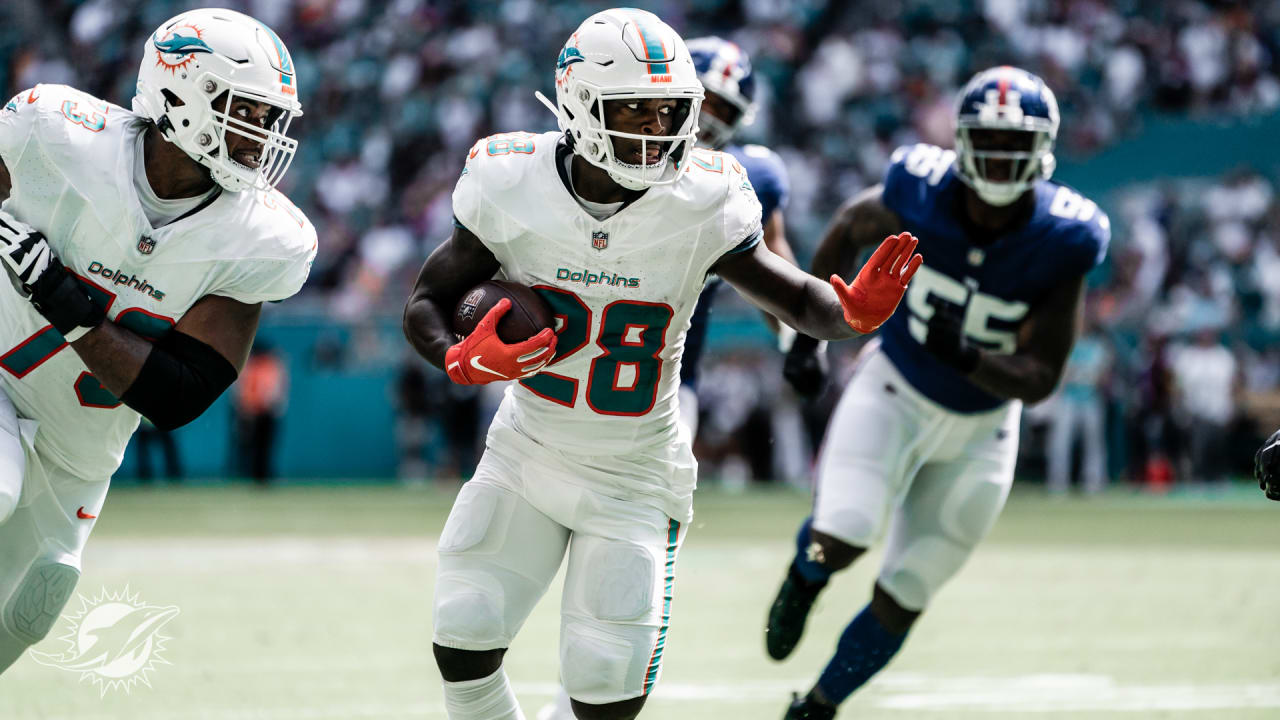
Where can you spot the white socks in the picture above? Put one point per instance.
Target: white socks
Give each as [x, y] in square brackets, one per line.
[489, 698]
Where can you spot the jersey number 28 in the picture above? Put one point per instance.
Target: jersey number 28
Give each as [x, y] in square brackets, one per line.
[623, 380]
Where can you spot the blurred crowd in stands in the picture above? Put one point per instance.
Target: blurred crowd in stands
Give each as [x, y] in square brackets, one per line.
[1181, 353]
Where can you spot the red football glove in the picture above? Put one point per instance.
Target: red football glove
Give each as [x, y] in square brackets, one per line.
[482, 357]
[876, 291]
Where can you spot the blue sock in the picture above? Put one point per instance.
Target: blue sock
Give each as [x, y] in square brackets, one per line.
[809, 570]
[864, 648]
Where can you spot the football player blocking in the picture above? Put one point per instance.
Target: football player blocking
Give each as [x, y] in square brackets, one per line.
[140, 246]
[923, 442]
[586, 455]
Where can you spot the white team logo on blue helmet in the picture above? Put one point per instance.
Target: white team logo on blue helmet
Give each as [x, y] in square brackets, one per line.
[1005, 99]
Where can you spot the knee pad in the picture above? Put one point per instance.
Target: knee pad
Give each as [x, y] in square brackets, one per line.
[623, 577]
[39, 598]
[9, 497]
[915, 576]
[967, 517]
[594, 665]
[469, 612]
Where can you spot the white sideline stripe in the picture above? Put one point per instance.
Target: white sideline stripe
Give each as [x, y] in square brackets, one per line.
[1064, 693]
[412, 710]
[908, 692]
[241, 552]
[1045, 693]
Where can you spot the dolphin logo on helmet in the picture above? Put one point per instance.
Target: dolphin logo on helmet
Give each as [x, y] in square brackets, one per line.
[182, 45]
[626, 54]
[209, 55]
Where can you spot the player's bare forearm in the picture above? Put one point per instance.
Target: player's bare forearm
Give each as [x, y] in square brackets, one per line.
[862, 222]
[775, 238]
[426, 327]
[788, 293]
[456, 266]
[1031, 373]
[1016, 377]
[116, 356]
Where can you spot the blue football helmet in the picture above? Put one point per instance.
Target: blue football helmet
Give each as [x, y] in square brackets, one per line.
[724, 69]
[1005, 99]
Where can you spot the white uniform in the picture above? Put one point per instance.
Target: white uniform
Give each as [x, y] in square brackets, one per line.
[898, 461]
[591, 448]
[72, 159]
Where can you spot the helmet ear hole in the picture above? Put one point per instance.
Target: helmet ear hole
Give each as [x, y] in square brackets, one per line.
[171, 100]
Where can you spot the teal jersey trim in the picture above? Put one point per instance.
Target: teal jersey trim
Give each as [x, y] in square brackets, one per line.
[747, 244]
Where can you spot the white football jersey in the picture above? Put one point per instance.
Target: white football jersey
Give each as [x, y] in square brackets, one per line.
[72, 159]
[622, 290]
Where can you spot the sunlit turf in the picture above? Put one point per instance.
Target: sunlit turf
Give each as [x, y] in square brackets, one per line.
[315, 602]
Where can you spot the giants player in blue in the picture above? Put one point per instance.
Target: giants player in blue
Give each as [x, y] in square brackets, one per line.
[725, 72]
[924, 439]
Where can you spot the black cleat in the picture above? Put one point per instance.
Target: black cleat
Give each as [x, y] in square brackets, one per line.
[789, 612]
[803, 708]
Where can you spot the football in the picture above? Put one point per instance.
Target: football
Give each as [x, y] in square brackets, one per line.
[529, 314]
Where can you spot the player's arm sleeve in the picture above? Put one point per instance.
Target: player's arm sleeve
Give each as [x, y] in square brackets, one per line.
[473, 210]
[773, 186]
[468, 199]
[898, 185]
[179, 380]
[742, 218]
[17, 123]
[1097, 239]
[271, 279]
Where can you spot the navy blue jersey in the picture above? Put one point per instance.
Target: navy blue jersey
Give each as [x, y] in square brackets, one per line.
[769, 178]
[996, 282]
[767, 175]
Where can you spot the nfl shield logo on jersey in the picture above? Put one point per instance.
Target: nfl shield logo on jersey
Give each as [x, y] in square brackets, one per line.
[599, 239]
[146, 245]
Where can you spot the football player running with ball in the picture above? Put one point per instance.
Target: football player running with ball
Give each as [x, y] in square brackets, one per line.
[139, 247]
[728, 103]
[615, 220]
[923, 442]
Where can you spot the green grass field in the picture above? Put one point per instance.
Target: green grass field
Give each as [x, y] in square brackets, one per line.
[315, 603]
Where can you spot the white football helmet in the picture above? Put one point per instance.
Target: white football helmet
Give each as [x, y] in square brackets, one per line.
[623, 54]
[211, 54]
